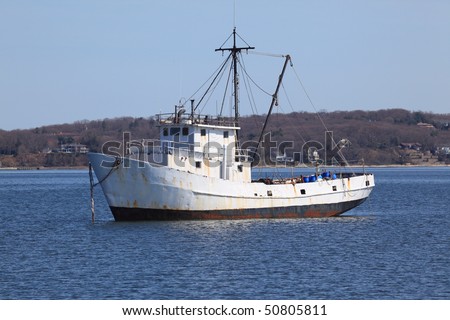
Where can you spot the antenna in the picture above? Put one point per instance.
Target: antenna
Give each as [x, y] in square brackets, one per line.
[234, 14]
[180, 73]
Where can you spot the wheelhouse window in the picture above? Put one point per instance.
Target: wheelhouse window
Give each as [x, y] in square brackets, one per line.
[165, 132]
[225, 134]
[174, 131]
[203, 132]
[185, 131]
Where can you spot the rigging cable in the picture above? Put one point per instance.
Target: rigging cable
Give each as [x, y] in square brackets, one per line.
[93, 185]
[241, 39]
[215, 73]
[251, 98]
[292, 108]
[268, 54]
[214, 80]
[225, 92]
[220, 75]
[259, 87]
[318, 114]
[309, 98]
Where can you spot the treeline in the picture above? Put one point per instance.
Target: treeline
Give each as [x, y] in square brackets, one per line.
[374, 135]
[90, 133]
[42, 146]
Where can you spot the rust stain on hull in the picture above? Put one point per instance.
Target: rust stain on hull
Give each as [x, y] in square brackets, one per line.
[312, 211]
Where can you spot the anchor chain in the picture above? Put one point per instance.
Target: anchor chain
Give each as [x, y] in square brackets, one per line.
[93, 185]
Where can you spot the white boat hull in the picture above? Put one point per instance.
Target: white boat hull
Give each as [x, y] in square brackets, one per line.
[137, 190]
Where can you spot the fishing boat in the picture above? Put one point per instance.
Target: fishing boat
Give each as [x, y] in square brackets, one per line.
[198, 169]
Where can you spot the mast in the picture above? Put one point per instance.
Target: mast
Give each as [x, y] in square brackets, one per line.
[234, 55]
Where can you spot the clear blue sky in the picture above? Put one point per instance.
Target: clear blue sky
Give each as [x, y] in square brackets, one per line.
[68, 60]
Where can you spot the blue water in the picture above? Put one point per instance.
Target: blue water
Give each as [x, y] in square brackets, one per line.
[394, 246]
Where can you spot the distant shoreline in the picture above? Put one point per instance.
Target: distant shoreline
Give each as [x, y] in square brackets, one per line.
[43, 168]
[265, 167]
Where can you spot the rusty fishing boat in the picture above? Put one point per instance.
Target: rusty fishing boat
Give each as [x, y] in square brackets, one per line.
[198, 170]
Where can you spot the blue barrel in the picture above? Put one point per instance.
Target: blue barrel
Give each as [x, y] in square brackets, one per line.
[334, 176]
[305, 179]
[326, 174]
[312, 178]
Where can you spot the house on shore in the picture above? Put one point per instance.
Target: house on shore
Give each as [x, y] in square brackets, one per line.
[74, 148]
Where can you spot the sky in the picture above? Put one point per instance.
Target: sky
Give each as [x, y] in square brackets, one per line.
[63, 61]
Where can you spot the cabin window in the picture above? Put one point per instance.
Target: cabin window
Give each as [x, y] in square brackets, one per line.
[185, 131]
[198, 164]
[203, 132]
[225, 134]
[165, 132]
[334, 188]
[269, 193]
[239, 168]
[302, 191]
[367, 183]
[174, 131]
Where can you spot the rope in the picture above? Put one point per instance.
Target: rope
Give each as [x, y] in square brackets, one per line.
[248, 76]
[250, 96]
[93, 185]
[318, 114]
[309, 98]
[217, 74]
[225, 93]
[296, 126]
[267, 54]
[91, 180]
[211, 91]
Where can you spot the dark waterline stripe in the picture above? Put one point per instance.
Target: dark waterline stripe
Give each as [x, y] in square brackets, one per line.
[313, 211]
